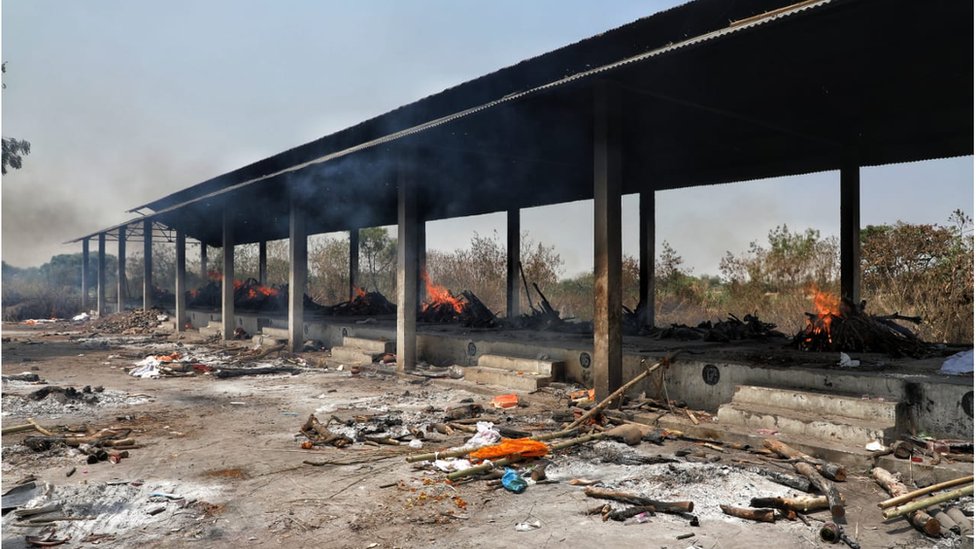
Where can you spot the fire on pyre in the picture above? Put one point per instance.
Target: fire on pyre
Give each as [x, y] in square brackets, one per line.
[443, 306]
[249, 295]
[364, 304]
[840, 325]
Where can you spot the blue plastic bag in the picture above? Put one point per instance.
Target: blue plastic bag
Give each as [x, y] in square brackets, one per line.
[513, 482]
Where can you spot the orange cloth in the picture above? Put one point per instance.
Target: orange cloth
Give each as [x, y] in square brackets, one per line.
[512, 447]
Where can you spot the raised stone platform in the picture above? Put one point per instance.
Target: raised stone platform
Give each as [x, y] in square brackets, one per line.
[844, 419]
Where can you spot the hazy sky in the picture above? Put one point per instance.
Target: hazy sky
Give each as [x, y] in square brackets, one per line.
[124, 102]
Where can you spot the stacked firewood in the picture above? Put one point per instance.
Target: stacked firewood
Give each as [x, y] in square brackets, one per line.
[853, 330]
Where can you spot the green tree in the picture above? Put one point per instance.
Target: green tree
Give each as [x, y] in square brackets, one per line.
[14, 150]
[377, 261]
[924, 270]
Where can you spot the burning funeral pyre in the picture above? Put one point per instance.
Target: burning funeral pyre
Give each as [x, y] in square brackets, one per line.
[443, 306]
[363, 304]
[249, 295]
[842, 325]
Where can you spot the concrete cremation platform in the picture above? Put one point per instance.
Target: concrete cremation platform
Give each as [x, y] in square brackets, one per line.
[705, 377]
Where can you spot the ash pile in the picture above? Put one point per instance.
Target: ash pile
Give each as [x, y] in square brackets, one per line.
[134, 322]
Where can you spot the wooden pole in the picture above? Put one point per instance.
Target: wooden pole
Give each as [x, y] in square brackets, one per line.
[928, 502]
[606, 402]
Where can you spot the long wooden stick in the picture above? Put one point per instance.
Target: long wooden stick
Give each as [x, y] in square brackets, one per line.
[908, 496]
[928, 502]
[18, 429]
[623, 389]
[634, 499]
[465, 451]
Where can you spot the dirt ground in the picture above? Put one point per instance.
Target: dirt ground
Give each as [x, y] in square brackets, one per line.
[222, 458]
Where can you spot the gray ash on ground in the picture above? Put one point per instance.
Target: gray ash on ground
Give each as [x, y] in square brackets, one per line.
[707, 485]
[119, 513]
[52, 401]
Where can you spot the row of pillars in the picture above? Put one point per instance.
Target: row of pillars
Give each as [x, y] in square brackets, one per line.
[607, 359]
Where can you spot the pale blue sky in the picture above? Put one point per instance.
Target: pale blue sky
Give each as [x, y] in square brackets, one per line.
[126, 101]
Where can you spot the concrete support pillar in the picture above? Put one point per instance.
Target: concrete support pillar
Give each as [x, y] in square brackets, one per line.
[100, 291]
[263, 262]
[514, 238]
[408, 270]
[147, 263]
[421, 261]
[297, 275]
[180, 280]
[204, 274]
[850, 231]
[607, 361]
[647, 256]
[227, 284]
[353, 262]
[121, 284]
[85, 282]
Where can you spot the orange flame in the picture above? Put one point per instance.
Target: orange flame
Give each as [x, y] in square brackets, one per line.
[360, 292]
[826, 306]
[266, 291]
[437, 295]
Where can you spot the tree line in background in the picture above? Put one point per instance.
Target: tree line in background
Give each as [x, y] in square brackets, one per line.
[913, 269]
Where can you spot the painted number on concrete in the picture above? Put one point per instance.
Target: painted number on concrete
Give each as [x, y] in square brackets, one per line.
[585, 360]
[710, 374]
[967, 403]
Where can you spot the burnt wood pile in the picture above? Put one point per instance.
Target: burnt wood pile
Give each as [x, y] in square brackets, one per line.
[851, 329]
[363, 304]
[249, 295]
[545, 317]
[749, 327]
[465, 309]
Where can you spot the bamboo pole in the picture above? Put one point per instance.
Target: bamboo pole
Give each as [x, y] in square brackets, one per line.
[928, 502]
[465, 451]
[919, 519]
[17, 429]
[623, 389]
[908, 496]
